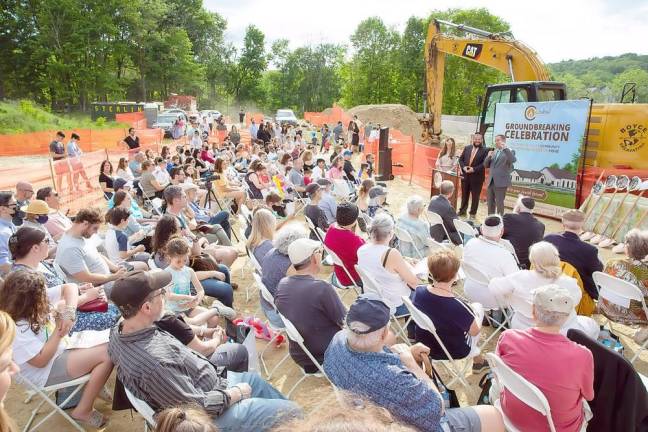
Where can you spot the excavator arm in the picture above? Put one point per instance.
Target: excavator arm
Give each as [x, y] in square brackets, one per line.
[498, 51]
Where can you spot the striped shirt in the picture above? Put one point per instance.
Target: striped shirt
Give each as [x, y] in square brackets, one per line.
[158, 369]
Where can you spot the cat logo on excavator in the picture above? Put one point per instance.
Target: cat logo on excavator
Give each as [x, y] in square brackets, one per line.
[472, 51]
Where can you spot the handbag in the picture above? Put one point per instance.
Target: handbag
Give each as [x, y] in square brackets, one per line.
[96, 305]
[449, 396]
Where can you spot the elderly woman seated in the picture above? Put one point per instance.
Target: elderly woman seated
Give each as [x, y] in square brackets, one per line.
[392, 273]
[516, 290]
[418, 229]
[631, 269]
[458, 324]
[561, 369]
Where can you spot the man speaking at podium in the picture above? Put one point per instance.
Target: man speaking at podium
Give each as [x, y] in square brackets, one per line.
[500, 161]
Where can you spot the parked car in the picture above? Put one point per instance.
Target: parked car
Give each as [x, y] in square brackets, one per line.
[286, 116]
[215, 114]
[165, 121]
[177, 111]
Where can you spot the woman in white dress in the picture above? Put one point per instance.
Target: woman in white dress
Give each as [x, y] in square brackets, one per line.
[447, 161]
[516, 289]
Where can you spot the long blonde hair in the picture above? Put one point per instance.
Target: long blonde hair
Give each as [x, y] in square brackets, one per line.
[545, 260]
[7, 335]
[263, 227]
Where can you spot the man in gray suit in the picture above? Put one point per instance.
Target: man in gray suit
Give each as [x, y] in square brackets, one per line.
[500, 163]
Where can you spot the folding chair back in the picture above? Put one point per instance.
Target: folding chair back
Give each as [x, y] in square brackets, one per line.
[435, 245]
[151, 264]
[338, 262]
[405, 237]
[254, 262]
[368, 282]
[617, 290]
[522, 389]
[474, 273]
[143, 409]
[341, 188]
[265, 293]
[313, 228]
[425, 323]
[464, 229]
[320, 234]
[435, 219]
[59, 270]
[296, 337]
[246, 212]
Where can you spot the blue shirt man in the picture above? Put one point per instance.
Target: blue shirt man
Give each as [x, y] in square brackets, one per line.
[7, 228]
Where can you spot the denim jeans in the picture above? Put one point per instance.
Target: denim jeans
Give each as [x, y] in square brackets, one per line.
[261, 412]
[272, 315]
[222, 218]
[222, 290]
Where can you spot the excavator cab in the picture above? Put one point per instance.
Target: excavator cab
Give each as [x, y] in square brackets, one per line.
[524, 91]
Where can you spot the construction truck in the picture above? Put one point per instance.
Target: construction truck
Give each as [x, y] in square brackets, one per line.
[617, 136]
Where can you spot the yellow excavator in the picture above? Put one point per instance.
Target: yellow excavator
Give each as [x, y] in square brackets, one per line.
[617, 132]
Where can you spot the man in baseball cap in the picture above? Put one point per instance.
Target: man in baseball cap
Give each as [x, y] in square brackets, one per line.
[130, 293]
[549, 360]
[364, 358]
[162, 371]
[309, 303]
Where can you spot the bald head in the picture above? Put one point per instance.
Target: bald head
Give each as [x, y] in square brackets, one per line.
[24, 190]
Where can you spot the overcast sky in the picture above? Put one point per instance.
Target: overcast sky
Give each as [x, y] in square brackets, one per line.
[556, 29]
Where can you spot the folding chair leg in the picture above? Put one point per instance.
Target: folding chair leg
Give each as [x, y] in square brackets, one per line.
[263, 365]
[274, 369]
[296, 384]
[46, 399]
[641, 348]
[401, 332]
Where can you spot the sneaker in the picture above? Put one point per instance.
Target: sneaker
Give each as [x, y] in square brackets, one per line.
[224, 311]
[478, 367]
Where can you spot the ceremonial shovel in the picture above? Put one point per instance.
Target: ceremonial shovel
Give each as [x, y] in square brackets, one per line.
[618, 249]
[614, 182]
[635, 183]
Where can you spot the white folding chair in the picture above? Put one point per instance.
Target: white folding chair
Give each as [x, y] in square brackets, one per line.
[59, 270]
[151, 264]
[452, 365]
[313, 228]
[148, 200]
[620, 292]
[464, 229]
[526, 392]
[338, 262]
[143, 409]
[477, 276]
[435, 219]
[370, 284]
[47, 394]
[267, 296]
[245, 211]
[405, 237]
[295, 336]
[341, 189]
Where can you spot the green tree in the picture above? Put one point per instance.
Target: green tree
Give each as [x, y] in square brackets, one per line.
[635, 75]
[411, 66]
[370, 76]
[245, 76]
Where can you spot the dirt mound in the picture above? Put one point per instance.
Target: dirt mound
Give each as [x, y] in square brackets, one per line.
[395, 116]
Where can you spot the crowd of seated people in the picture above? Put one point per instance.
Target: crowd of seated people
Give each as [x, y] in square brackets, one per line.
[158, 275]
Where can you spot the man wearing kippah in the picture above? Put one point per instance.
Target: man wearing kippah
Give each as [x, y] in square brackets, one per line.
[522, 229]
[492, 255]
[583, 256]
[364, 359]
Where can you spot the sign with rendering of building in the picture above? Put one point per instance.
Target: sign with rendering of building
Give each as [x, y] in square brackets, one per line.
[547, 138]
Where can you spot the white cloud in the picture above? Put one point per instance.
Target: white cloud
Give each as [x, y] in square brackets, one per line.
[556, 29]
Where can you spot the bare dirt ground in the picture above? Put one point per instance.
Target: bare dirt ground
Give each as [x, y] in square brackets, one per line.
[312, 390]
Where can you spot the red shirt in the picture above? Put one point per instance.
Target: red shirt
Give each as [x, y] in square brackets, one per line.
[561, 369]
[345, 244]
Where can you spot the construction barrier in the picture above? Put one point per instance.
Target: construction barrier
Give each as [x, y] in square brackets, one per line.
[135, 119]
[258, 118]
[35, 143]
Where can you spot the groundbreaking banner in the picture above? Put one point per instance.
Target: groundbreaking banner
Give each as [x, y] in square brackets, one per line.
[547, 138]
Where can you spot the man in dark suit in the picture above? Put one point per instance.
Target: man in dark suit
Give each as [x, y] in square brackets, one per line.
[500, 163]
[522, 229]
[471, 163]
[440, 205]
[583, 256]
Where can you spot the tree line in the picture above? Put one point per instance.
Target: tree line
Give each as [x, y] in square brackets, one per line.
[65, 54]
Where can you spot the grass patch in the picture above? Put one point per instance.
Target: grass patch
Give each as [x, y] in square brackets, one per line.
[561, 199]
[26, 116]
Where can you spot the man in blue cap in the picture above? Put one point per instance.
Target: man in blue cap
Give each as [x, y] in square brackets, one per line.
[364, 359]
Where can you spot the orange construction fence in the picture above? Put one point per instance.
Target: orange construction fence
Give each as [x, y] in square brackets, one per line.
[258, 118]
[135, 119]
[34, 143]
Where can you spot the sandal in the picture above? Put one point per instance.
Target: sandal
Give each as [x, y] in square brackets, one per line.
[96, 420]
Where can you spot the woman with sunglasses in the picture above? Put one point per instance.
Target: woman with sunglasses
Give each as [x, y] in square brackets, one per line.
[29, 249]
[40, 347]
